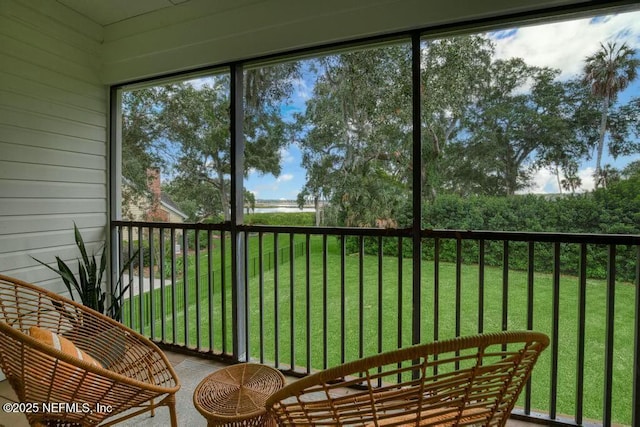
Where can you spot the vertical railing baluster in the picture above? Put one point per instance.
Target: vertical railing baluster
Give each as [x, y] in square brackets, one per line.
[582, 311]
[197, 285]
[505, 285]
[609, 343]
[481, 277]
[436, 291]
[308, 296]
[223, 288]
[458, 288]
[325, 322]
[163, 301]
[400, 301]
[174, 303]
[116, 264]
[555, 331]
[210, 289]
[276, 300]
[140, 281]
[380, 303]
[530, 282]
[342, 298]
[261, 292]
[120, 285]
[292, 300]
[152, 277]
[458, 310]
[360, 296]
[131, 277]
[247, 296]
[635, 410]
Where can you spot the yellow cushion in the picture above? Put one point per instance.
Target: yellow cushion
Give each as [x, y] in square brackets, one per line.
[64, 377]
[60, 343]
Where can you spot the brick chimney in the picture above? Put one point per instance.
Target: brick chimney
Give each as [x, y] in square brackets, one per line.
[155, 213]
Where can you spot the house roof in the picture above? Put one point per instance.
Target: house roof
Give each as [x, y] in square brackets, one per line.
[165, 200]
[170, 205]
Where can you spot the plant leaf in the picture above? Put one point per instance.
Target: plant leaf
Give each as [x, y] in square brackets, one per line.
[84, 283]
[68, 278]
[103, 266]
[80, 244]
[65, 279]
[88, 283]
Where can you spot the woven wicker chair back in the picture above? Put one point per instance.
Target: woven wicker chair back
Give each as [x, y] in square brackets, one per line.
[464, 381]
[131, 371]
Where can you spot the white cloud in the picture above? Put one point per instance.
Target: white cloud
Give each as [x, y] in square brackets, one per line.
[565, 45]
[208, 81]
[586, 176]
[199, 83]
[544, 182]
[285, 156]
[285, 177]
[270, 185]
[301, 88]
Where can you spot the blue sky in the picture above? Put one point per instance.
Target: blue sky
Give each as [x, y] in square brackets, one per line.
[561, 45]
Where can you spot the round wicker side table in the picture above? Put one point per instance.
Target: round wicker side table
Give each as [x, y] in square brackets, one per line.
[235, 396]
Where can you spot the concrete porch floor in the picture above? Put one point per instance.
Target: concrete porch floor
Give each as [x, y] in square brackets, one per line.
[190, 369]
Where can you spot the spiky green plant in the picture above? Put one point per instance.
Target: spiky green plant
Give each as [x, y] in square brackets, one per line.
[88, 284]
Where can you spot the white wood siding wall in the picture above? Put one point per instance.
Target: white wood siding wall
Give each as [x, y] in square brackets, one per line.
[53, 127]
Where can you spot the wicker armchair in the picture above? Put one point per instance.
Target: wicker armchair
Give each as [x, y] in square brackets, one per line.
[464, 381]
[93, 369]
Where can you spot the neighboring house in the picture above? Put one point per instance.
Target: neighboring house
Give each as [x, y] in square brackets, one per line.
[155, 206]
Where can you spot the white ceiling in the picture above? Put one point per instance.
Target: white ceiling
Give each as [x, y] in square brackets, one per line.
[105, 12]
[146, 38]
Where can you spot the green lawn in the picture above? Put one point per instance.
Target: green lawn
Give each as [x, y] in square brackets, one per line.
[395, 298]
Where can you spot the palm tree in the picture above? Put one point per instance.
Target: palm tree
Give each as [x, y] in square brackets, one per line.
[571, 181]
[607, 176]
[609, 71]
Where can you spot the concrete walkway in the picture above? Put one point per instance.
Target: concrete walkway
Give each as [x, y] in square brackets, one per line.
[146, 284]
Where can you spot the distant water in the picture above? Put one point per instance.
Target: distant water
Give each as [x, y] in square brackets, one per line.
[282, 209]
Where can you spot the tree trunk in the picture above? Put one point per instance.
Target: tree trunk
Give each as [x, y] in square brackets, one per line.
[316, 205]
[224, 200]
[510, 170]
[603, 131]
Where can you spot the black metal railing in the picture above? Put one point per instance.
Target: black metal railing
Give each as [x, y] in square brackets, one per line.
[310, 298]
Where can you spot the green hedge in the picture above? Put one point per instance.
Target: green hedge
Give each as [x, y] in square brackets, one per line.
[612, 211]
